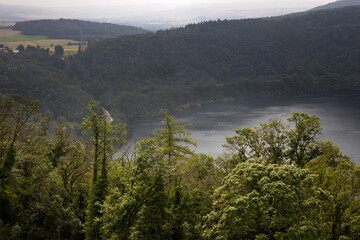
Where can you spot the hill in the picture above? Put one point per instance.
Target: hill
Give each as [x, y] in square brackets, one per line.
[222, 60]
[338, 4]
[75, 29]
[33, 72]
[138, 75]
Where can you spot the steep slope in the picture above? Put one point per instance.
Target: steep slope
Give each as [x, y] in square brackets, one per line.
[75, 29]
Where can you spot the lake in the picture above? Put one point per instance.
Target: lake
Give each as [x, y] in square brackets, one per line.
[212, 123]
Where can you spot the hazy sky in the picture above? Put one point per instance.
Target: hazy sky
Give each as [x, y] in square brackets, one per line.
[52, 3]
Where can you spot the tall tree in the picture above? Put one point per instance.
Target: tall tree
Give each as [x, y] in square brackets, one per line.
[341, 178]
[258, 201]
[59, 50]
[301, 138]
[174, 139]
[273, 142]
[103, 137]
[20, 121]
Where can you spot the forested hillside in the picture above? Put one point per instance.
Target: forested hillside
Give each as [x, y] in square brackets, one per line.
[33, 72]
[313, 52]
[338, 4]
[75, 29]
[138, 75]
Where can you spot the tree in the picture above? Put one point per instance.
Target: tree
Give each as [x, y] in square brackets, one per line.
[20, 120]
[174, 139]
[59, 50]
[341, 178]
[150, 201]
[20, 48]
[31, 206]
[138, 193]
[103, 137]
[153, 216]
[72, 163]
[258, 201]
[273, 142]
[307, 129]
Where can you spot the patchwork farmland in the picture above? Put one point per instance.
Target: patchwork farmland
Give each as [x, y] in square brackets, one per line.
[12, 39]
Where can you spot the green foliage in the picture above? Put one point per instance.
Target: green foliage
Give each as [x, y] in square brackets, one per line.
[138, 75]
[341, 178]
[33, 72]
[174, 139]
[222, 60]
[20, 120]
[135, 194]
[102, 136]
[75, 29]
[59, 50]
[20, 48]
[153, 216]
[152, 203]
[275, 143]
[272, 201]
[275, 182]
[307, 129]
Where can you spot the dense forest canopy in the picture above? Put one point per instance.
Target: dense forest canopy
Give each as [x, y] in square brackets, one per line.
[275, 181]
[212, 61]
[33, 72]
[216, 60]
[75, 29]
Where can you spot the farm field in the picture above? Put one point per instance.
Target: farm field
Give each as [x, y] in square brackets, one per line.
[8, 32]
[9, 36]
[12, 39]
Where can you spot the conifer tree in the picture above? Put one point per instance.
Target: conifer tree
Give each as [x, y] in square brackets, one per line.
[103, 136]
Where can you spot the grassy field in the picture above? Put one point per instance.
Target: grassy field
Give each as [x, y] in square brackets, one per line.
[12, 39]
[8, 36]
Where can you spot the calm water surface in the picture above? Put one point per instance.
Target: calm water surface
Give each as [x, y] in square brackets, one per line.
[212, 123]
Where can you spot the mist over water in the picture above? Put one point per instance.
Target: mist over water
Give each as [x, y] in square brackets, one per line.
[212, 123]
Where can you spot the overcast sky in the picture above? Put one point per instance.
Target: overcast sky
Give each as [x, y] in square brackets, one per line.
[65, 3]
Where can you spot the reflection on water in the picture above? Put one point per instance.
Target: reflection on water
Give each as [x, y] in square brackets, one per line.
[211, 123]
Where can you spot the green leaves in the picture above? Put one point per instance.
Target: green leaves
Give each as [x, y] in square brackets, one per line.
[266, 202]
[276, 182]
[102, 135]
[274, 142]
[307, 129]
[174, 139]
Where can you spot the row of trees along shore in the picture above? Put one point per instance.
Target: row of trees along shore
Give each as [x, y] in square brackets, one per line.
[274, 181]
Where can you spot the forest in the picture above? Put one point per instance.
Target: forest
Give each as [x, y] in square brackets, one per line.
[75, 29]
[136, 76]
[66, 171]
[277, 180]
